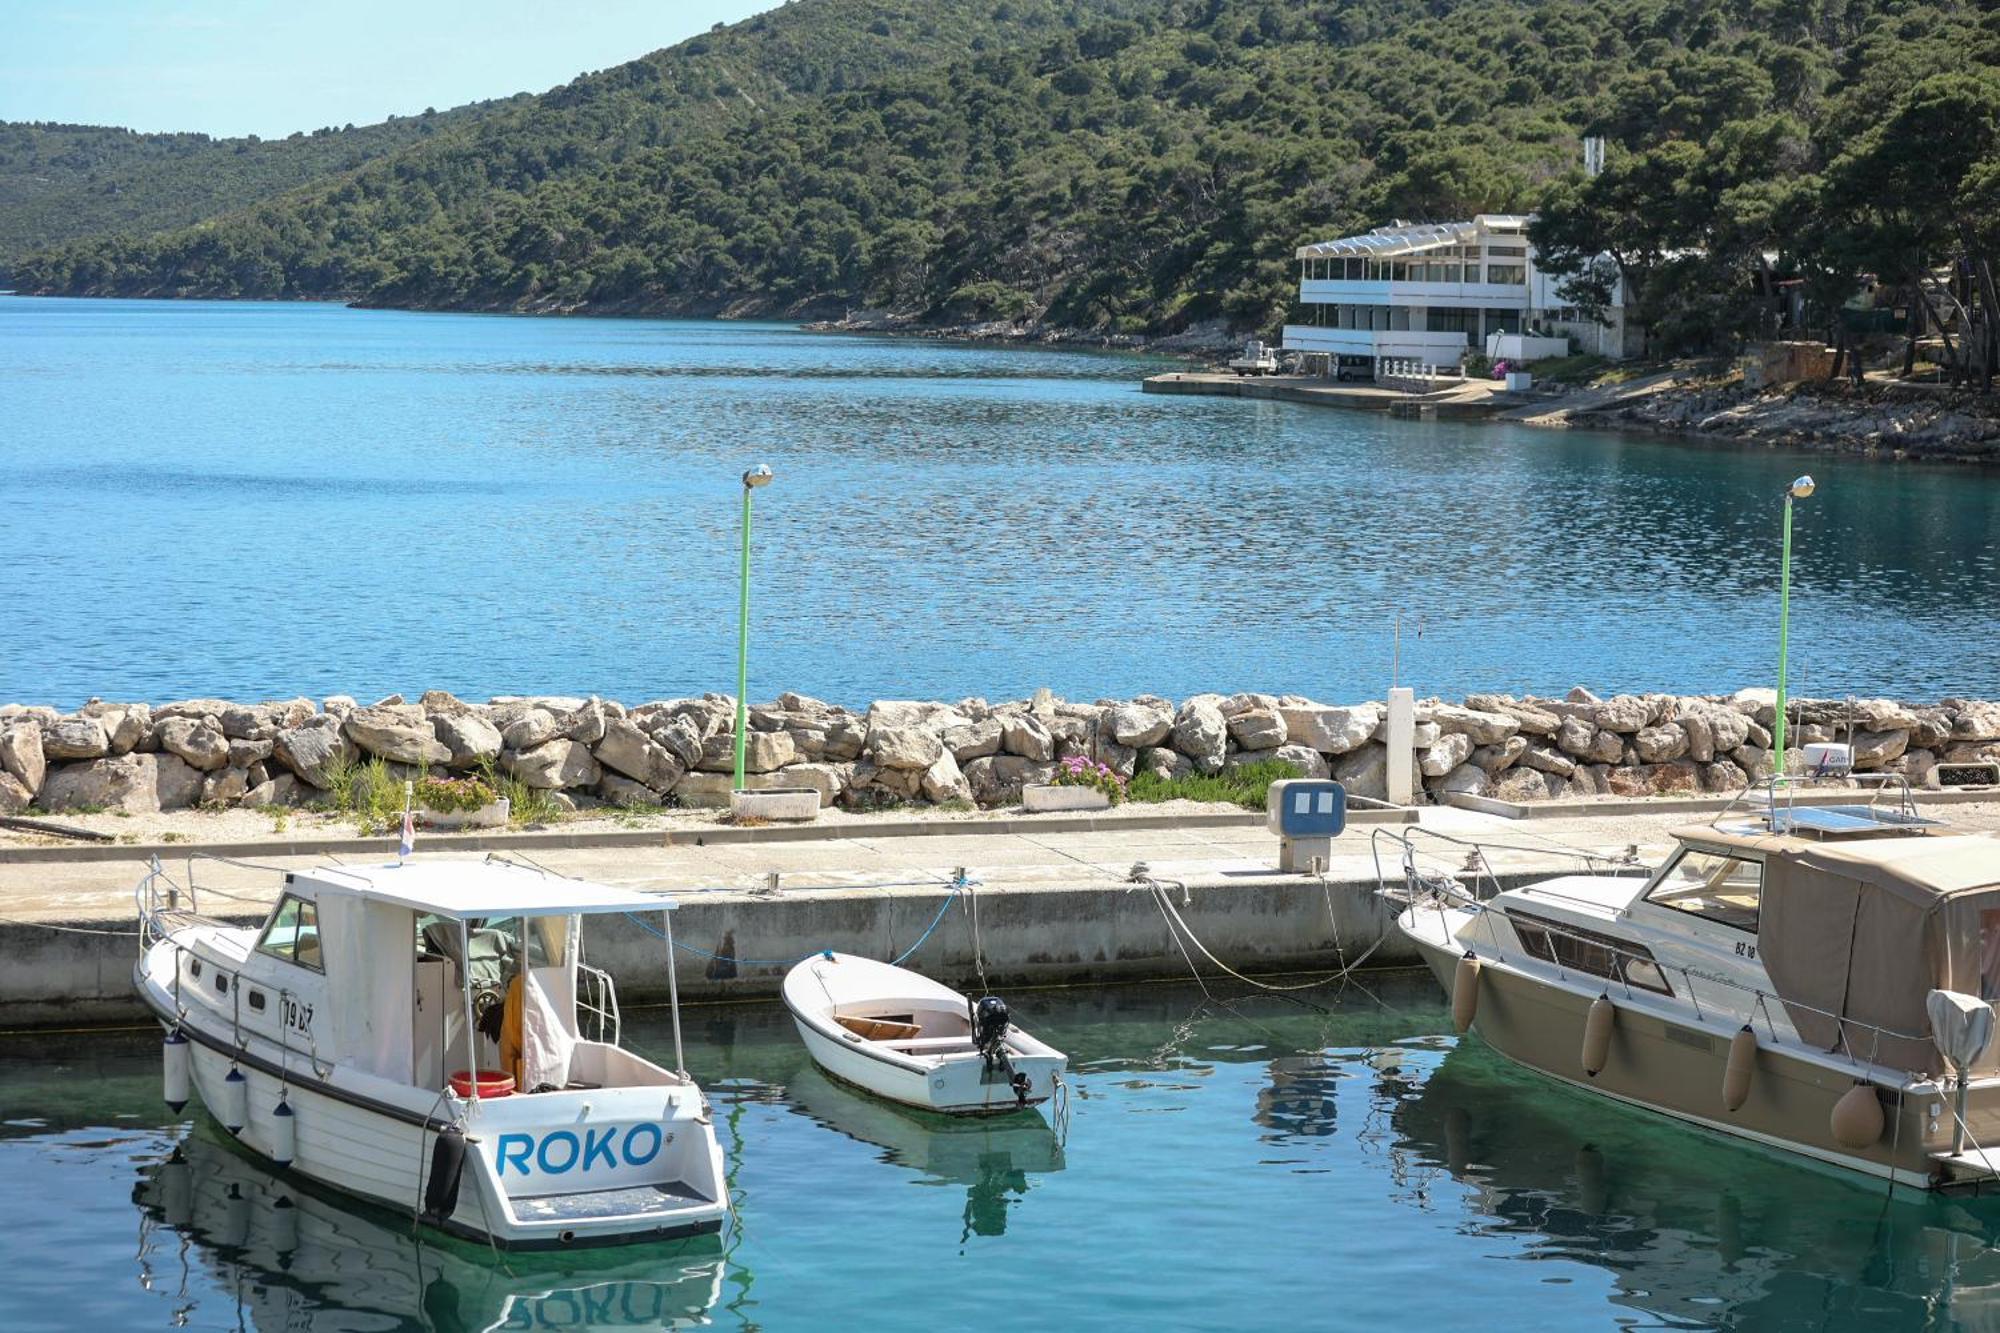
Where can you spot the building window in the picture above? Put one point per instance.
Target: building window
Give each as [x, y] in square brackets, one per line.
[1449, 319]
[1503, 321]
[1508, 275]
[1507, 251]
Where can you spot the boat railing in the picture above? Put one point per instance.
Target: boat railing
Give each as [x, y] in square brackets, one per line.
[597, 1003]
[167, 904]
[1447, 890]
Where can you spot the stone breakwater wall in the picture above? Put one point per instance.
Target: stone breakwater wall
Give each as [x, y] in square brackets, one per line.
[216, 753]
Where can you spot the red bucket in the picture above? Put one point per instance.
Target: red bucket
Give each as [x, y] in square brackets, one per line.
[492, 1083]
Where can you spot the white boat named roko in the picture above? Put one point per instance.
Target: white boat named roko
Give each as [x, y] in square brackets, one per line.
[339, 1039]
[905, 1037]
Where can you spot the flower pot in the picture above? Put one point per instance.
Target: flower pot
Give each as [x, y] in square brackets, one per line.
[494, 814]
[791, 804]
[1036, 799]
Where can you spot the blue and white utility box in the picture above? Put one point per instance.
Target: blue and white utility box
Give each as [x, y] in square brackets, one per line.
[1307, 814]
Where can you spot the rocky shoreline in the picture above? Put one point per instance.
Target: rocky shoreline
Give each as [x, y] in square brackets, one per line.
[1889, 421]
[583, 752]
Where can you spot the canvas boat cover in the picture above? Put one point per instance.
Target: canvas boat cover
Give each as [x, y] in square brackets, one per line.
[1856, 935]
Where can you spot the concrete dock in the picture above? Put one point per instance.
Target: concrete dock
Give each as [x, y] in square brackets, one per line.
[1054, 905]
[1462, 400]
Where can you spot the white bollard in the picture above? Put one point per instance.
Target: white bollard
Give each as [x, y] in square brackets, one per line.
[1402, 741]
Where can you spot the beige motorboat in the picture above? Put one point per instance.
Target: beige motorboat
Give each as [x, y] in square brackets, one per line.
[1814, 978]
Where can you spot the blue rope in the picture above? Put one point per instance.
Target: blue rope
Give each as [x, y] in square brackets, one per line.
[957, 886]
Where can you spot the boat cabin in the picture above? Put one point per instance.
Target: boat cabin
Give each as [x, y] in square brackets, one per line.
[421, 972]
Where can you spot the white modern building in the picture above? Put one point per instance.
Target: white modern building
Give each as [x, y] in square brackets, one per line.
[1429, 293]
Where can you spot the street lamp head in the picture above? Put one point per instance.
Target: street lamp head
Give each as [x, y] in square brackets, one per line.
[761, 476]
[1801, 488]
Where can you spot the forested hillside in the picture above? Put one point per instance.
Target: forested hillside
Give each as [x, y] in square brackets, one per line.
[72, 182]
[1133, 167]
[81, 183]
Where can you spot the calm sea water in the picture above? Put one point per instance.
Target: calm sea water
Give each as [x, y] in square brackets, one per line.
[258, 500]
[1255, 1164]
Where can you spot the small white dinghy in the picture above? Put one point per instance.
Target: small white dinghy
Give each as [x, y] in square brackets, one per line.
[905, 1037]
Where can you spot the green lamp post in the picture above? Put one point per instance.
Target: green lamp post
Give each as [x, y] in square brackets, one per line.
[755, 477]
[1798, 490]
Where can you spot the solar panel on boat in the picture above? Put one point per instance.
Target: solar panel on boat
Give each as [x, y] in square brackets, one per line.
[1843, 819]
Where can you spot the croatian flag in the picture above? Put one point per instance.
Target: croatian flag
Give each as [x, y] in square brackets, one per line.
[409, 842]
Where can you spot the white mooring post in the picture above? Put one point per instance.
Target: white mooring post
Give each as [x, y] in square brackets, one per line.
[1402, 740]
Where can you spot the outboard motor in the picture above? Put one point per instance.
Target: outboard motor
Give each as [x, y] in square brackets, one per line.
[989, 1038]
[989, 1028]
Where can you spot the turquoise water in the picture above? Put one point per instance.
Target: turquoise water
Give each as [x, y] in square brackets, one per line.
[1255, 1164]
[257, 500]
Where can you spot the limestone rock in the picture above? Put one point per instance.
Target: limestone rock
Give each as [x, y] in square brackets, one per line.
[242, 754]
[1496, 759]
[1484, 728]
[195, 708]
[997, 779]
[553, 765]
[1916, 767]
[944, 782]
[21, 754]
[1165, 762]
[1258, 729]
[225, 786]
[1330, 730]
[1624, 713]
[1201, 734]
[197, 740]
[1589, 742]
[135, 783]
[128, 727]
[1422, 736]
[1656, 745]
[1140, 724]
[1466, 780]
[399, 733]
[679, 736]
[14, 795]
[1305, 761]
[1364, 772]
[1933, 729]
[584, 724]
[1875, 749]
[974, 740]
[1534, 721]
[1449, 752]
[1678, 776]
[918, 714]
[631, 752]
[76, 738]
[904, 747]
[623, 792]
[1722, 776]
[1522, 784]
[1977, 722]
[1546, 760]
[283, 789]
[314, 751]
[846, 738]
[829, 780]
[243, 722]
[469, 736]
[1883, 715]
[1973, 752]
[530, 729]
[1028, 736]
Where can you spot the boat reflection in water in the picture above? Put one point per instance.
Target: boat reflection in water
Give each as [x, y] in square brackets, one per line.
[1693, 1226]
[297, 1260]
[991, 1156]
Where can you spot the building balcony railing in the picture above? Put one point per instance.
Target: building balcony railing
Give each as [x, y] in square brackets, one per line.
[1434, 349]
[1340, 291]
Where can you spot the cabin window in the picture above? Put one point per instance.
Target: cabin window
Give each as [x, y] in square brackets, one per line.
[1579, 950]
[1715, 886]
[257, 1000]
[293, 933]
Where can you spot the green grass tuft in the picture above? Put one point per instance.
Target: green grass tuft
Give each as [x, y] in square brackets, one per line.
[1245, 786]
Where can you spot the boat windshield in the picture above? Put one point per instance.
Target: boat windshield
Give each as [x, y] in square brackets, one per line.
[496, 942]
[1716, 886]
